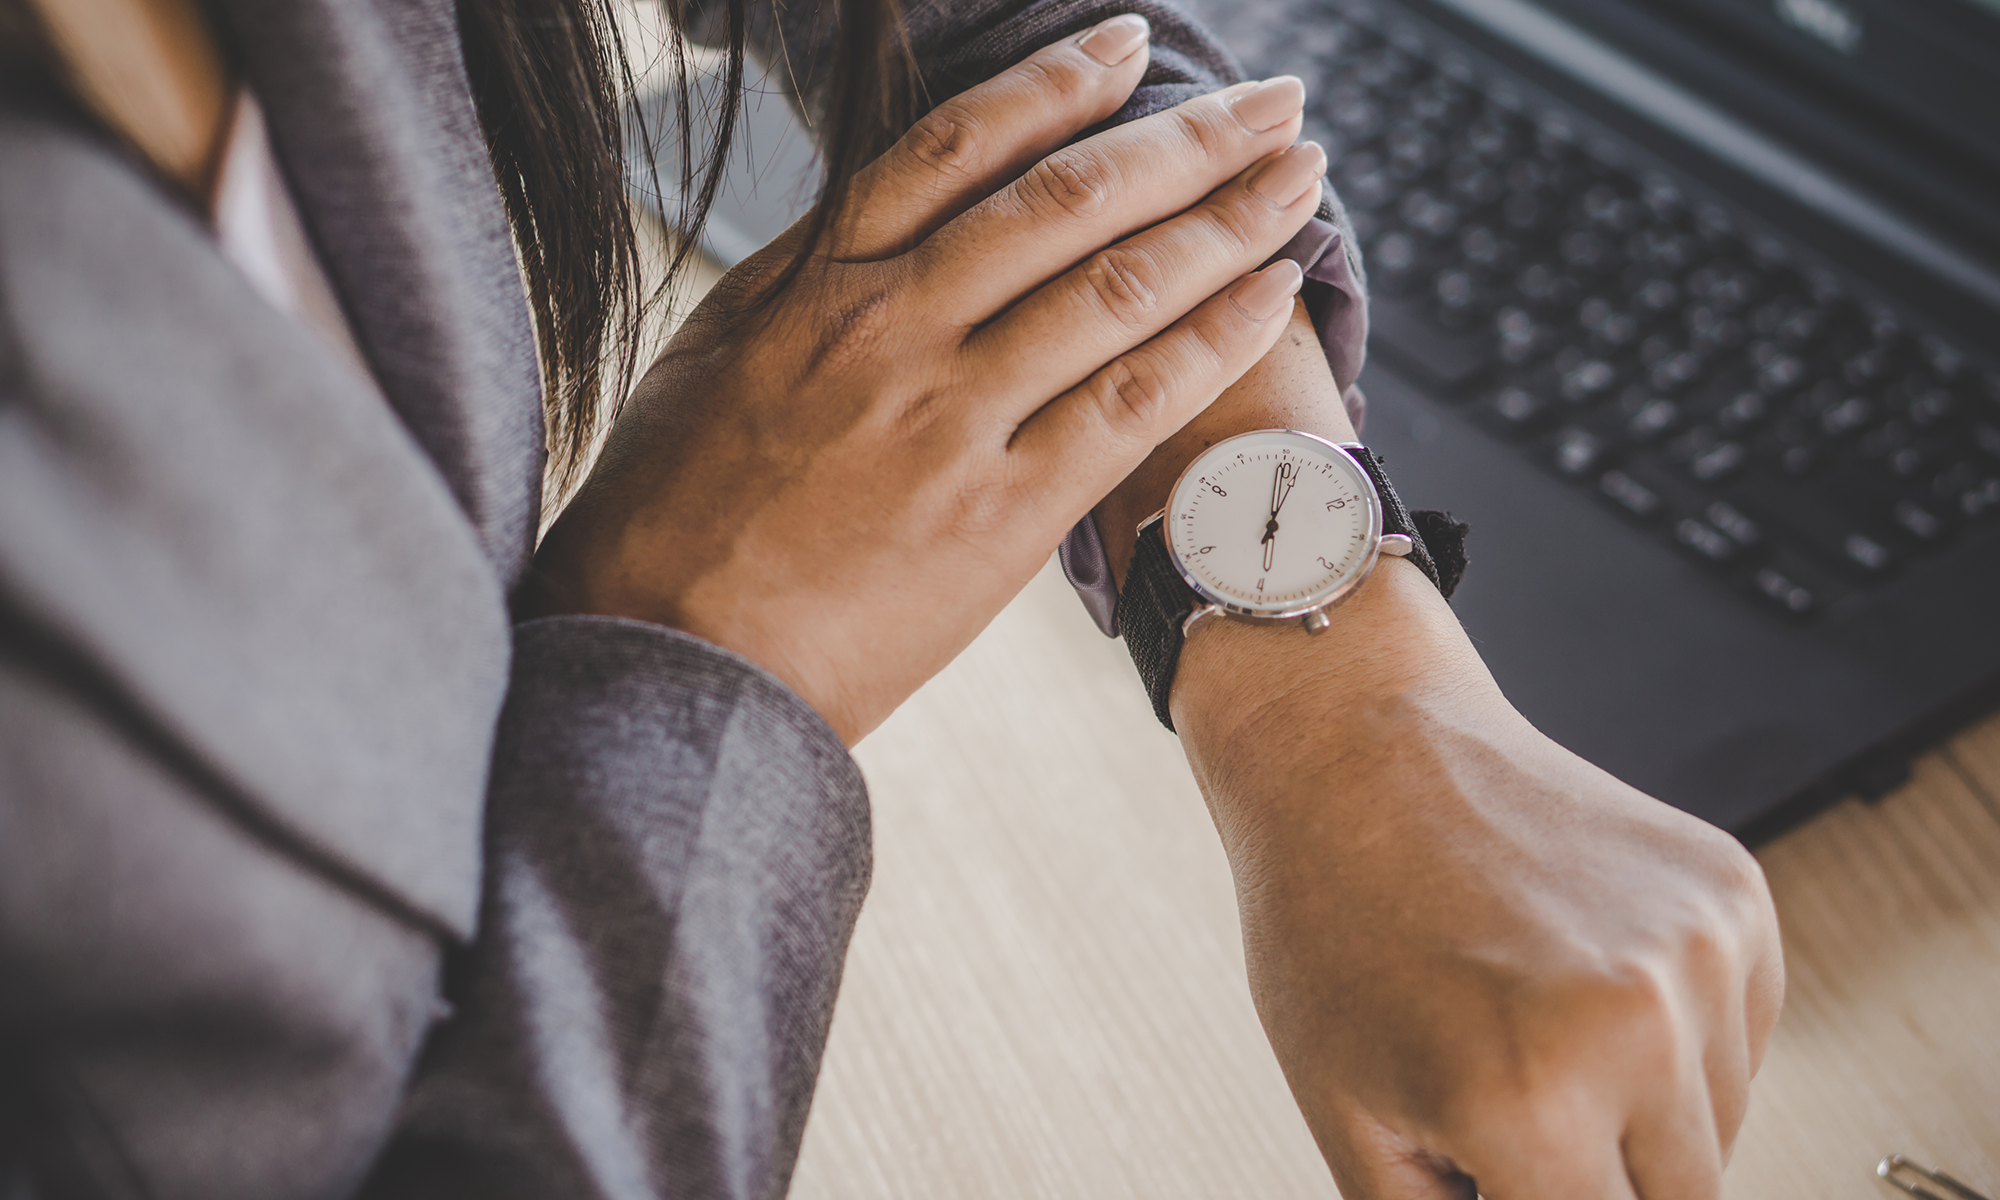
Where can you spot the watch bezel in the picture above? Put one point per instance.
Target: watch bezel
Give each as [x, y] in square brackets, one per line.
[1304, 608]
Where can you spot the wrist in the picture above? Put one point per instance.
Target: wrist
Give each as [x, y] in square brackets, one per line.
[1291, 387]
[1271, 703]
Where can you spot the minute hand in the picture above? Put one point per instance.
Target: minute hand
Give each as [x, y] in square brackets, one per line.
[1288, 474]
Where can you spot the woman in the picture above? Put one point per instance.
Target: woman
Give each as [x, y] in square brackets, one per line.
[323, 875]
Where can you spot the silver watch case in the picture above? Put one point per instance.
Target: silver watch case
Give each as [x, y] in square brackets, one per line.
[1312, 614]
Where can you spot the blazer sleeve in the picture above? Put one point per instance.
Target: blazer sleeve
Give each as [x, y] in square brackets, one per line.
[960, 43]
[677, 849]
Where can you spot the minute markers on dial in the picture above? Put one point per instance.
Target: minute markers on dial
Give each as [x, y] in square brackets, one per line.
[1326, 534]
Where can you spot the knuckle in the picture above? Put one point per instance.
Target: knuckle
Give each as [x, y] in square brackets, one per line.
[1056, 75]
[1073, 183]
[1201, 127]
[1133, 394]
[981, 506]
[1241, 218]
[942, 141]
[1210, 342]
[1124, 284]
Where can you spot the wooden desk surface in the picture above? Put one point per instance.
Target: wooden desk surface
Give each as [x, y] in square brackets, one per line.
[1046, 994]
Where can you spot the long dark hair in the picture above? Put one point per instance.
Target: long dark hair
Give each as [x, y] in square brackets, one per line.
[552, 79]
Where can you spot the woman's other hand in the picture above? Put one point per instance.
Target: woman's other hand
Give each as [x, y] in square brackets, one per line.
[1484, 964]
[845, 485]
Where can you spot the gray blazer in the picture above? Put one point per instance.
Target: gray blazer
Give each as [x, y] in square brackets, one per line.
[317, 876]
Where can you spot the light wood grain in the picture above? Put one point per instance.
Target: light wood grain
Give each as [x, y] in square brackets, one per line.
[1046, 995]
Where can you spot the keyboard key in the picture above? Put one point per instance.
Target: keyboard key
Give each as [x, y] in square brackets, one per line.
[1426, 213]
[1588, 252]
[1413, 149]
[1395, 261]
[1677, 370]
[1739, 528]
[1608, 325]
[1611, 210]
[1629, 494]
[1718, 463]
[1656, 296]
[1987, 439]
[1547, 287]
[1724, 286]
[1517, 408]
[1586, 380]
[1577, 451]
[1982, 499]
[1867, 553]
[1473, 184]
[1746, 411]
[1847, 416]
[1706, 541]
[1783, 589]
[1486, 249]
[1522, 337]
[1494, 138]
[1711, 328]
[1355, 113]
[1919, 521]
[1825, 522]
[1460, 299]
[1935, 406]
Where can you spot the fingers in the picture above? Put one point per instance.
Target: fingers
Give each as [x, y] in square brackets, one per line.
[1091, 194]
[1549, 1153]
[1083, 442]
[1126, 293]
[975, 143]
[1370, 1161]
[1671, 1149]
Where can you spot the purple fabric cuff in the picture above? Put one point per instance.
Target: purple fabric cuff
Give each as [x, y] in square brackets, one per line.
[1339, 309]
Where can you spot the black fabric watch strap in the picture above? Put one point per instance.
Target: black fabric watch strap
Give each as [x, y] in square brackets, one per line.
[1155, 600]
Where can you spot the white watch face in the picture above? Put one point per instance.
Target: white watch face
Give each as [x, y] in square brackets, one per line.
[1274, 523]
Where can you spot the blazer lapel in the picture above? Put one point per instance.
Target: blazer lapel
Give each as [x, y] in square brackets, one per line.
[210, 506]
[374, 126]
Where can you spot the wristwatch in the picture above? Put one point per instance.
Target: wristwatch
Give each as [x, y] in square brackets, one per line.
[1273, 526]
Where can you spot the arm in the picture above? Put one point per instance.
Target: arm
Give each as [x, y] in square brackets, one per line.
[676, 851]
[1474, 953]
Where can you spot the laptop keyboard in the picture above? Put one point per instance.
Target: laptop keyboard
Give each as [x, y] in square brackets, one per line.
[1634, 340]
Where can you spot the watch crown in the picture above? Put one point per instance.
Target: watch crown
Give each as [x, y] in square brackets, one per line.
[1316, 620]
[1398, 544]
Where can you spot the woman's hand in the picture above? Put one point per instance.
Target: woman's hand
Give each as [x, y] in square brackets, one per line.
[846, 485]
[1483, 963]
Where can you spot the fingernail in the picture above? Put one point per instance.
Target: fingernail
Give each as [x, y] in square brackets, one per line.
[1116, 40]
[1269, 104]
[1270, 291]
[1291, 174]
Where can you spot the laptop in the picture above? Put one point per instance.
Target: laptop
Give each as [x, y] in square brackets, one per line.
[1692, 309]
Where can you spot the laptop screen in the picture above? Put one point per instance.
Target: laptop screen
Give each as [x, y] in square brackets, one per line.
[1898, 96]
[1934, 63]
